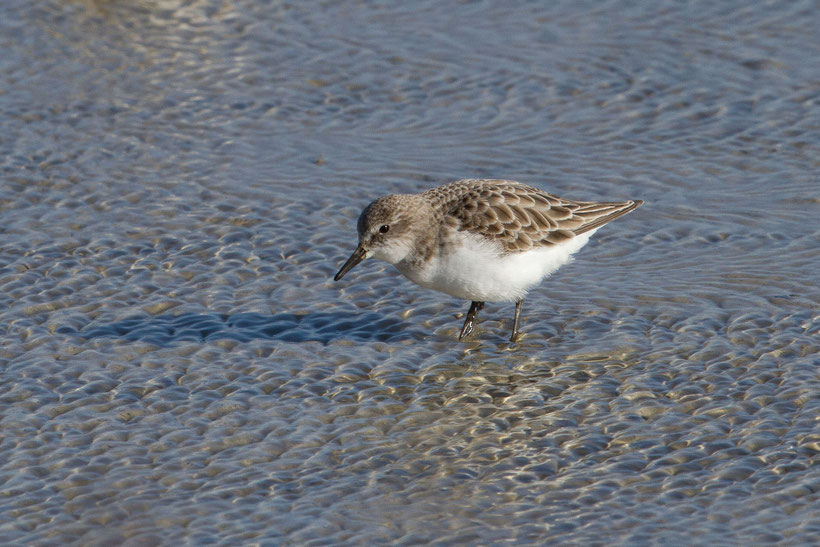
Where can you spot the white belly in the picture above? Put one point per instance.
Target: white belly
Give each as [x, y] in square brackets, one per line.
[475, 270]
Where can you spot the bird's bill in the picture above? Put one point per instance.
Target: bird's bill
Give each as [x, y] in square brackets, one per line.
[358, 255]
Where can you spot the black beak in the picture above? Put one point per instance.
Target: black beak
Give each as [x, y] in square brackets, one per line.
[358, 255]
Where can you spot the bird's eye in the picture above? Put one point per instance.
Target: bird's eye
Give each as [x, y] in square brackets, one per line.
[384, 229]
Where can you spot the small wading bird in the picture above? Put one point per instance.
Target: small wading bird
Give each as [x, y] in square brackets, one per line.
[482, 240]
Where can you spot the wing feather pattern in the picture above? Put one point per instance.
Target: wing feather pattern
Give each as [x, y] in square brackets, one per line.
[521, 217]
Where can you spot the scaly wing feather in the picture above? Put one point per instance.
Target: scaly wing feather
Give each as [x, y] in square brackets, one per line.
[521, 217]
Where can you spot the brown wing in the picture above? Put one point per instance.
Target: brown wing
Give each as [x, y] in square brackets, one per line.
[521, 217]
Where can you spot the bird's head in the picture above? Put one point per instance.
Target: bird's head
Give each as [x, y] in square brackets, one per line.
[388, 228]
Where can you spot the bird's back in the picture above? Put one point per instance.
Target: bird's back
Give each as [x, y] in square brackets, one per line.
[520, 217]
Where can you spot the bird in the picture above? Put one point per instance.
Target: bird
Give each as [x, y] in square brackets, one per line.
[483, 240]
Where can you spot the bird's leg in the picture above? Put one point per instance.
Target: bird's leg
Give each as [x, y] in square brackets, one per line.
[469, 323]
[518, 306]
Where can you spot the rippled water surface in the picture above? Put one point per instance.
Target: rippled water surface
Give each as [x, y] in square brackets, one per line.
[180, 180]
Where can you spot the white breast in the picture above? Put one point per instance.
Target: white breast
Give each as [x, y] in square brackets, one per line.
[476, 270]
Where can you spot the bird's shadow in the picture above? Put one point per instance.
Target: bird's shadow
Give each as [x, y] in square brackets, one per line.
[166, 330]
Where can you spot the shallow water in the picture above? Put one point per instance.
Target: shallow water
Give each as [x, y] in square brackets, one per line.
[180, 180]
